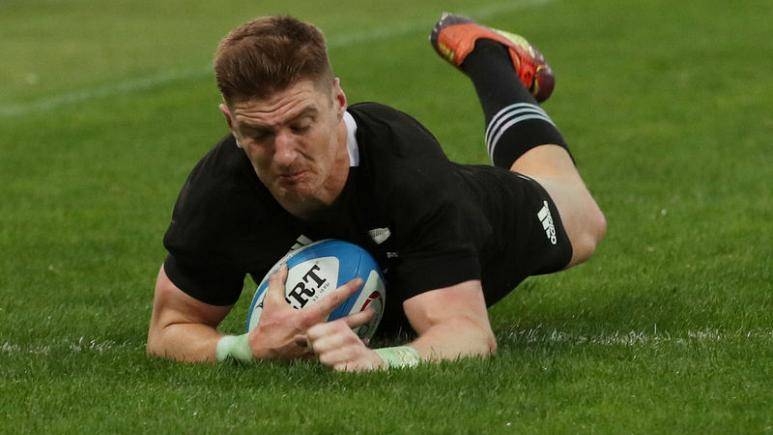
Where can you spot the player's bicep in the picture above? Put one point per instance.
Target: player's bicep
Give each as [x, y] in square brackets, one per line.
[450, 304]
[171, 305]
[452, 322]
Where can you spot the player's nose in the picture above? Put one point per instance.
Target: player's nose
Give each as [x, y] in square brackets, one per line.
[285, 148]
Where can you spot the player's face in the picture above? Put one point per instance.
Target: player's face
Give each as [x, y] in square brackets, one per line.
[296, 141]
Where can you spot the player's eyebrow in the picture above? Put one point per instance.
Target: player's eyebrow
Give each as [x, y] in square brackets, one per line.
[307, 111]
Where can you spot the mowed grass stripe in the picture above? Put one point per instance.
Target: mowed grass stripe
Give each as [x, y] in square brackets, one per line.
[153, 81]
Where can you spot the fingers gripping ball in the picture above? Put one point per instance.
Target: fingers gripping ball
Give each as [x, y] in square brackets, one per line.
[322, 267]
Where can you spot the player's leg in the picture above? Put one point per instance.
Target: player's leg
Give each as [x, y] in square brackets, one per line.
[510, 76]
[552, 167]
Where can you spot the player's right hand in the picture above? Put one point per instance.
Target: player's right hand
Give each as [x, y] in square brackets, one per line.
[279, 333]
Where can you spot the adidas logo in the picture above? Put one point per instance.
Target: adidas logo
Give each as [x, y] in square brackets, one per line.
[547, 222]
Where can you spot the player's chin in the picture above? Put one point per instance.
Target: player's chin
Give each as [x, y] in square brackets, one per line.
[290, 188]
[298, 200]
[297, 194]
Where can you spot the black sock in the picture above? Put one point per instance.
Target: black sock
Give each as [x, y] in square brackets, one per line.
[515, 123]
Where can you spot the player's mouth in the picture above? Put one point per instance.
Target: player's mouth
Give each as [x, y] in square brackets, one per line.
[290, 178]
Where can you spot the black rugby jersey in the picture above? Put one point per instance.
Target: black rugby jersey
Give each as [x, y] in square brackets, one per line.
[440, 217]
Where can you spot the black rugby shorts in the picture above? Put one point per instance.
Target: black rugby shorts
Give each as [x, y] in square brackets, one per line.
[531, 238]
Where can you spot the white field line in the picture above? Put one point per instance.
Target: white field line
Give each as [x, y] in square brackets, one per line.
[80, 345]
[639, 339]
[635, 338]
[160, 79]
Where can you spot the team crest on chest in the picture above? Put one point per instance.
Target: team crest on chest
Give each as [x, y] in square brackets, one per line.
[379, 235]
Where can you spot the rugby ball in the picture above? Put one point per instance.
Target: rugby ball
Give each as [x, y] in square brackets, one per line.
[321, 267]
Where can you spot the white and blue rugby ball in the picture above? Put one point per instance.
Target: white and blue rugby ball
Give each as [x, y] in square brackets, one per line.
[320, 267]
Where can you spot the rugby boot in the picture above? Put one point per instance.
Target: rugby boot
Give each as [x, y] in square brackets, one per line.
[454, 37]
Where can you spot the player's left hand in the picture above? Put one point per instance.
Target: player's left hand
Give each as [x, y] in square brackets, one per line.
[338, 346]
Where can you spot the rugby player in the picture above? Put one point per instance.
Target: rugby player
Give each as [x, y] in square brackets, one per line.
[300, 164]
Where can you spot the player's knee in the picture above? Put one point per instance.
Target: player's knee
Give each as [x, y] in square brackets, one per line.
[597, 229]
[598, 226]
[592, 233]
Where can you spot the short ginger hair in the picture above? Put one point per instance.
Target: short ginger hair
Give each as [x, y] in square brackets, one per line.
[268, 55]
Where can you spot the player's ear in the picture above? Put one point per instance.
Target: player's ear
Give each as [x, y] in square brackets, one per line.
[227, 114]
[229, 120]
[339, 97]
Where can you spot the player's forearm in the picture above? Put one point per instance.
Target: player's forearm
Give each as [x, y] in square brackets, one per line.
[184, 342]
[453, 339]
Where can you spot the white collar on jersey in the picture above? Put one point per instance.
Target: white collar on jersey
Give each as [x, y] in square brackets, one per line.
[351, 140]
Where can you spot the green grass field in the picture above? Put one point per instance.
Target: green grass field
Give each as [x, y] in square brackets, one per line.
[668, 107]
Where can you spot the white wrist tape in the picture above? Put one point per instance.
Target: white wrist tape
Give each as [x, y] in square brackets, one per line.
[236, 347]
[400, 356]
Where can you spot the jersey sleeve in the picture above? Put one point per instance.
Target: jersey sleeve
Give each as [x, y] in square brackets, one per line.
[437, 251]
[197, 240]
[204, 282]
[221, 228]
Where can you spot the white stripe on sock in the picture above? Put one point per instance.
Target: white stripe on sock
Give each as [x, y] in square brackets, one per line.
[504, 124]
[508, 117]
[504, 128]
[505, 112]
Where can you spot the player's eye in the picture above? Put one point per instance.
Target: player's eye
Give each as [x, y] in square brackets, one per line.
[302, 126]
[261, 135]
